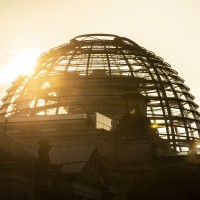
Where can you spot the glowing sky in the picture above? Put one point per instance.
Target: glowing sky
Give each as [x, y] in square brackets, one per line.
[169, 28]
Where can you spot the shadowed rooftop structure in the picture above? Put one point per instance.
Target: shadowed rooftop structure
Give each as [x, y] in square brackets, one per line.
[93, 72]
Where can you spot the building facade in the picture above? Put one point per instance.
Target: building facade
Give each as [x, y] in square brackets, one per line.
[99, 118]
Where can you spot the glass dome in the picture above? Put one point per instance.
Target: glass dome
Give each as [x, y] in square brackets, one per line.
[93, 72]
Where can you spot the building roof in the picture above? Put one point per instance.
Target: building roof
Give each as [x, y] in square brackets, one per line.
[71, 154]
[13, 147]
[72, 159]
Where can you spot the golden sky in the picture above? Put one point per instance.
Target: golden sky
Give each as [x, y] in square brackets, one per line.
[169, 28]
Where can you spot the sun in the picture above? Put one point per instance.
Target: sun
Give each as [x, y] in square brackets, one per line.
[20, 62]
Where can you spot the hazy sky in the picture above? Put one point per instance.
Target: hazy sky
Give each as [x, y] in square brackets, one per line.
[169, 28]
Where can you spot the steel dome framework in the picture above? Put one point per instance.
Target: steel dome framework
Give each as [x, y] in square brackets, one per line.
[93, 72]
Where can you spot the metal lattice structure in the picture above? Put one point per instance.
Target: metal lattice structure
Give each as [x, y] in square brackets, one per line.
[93, 72]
